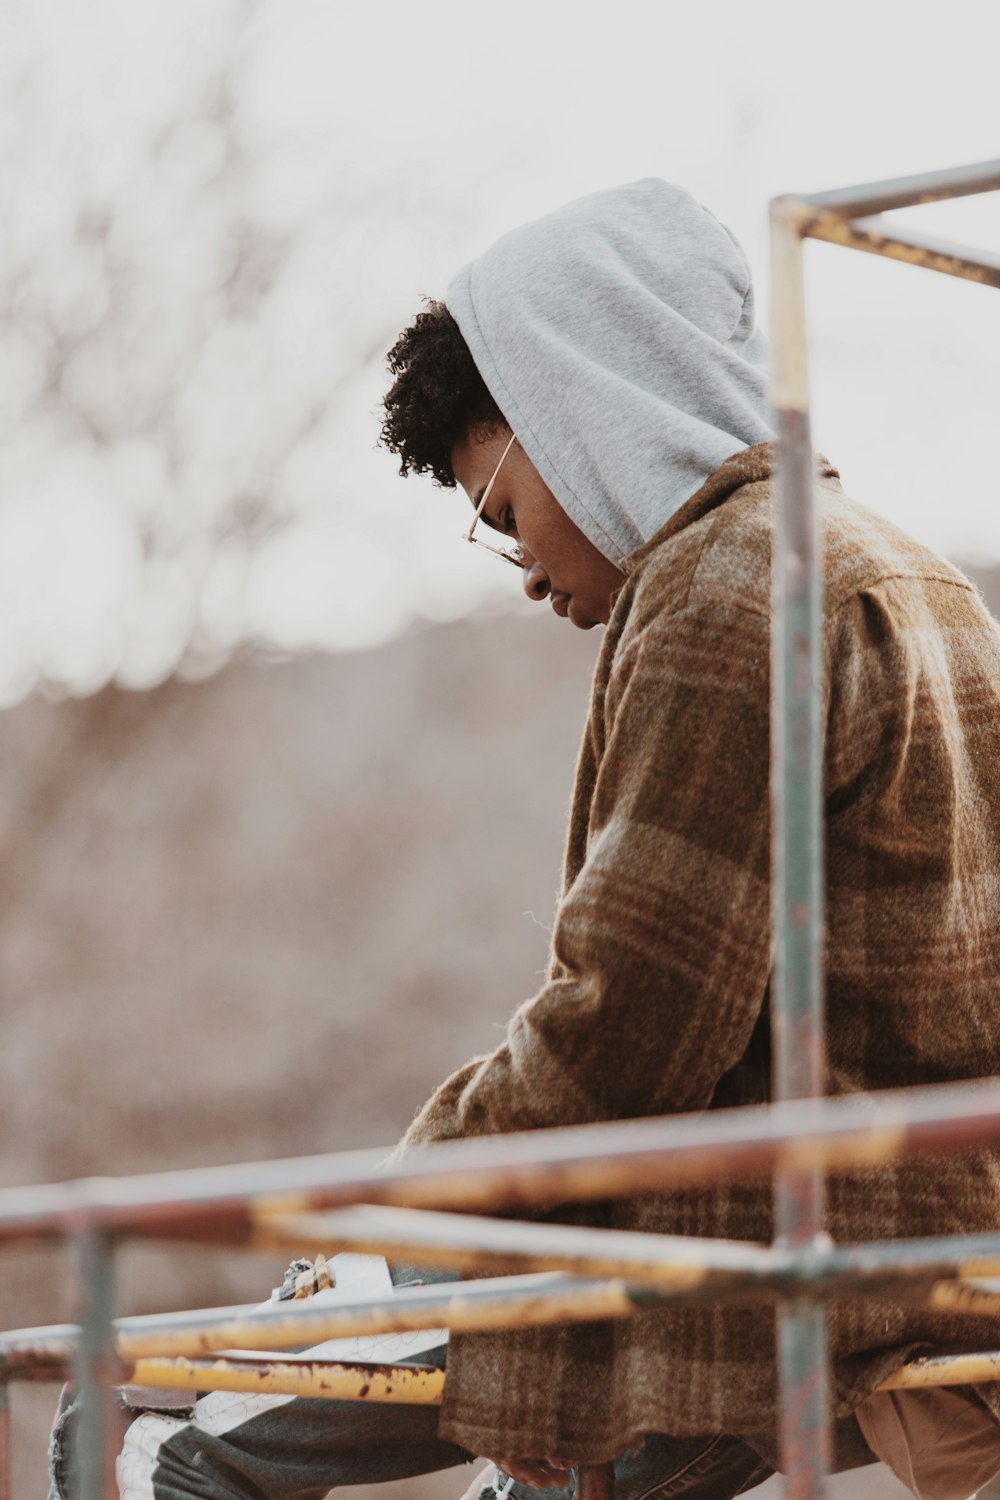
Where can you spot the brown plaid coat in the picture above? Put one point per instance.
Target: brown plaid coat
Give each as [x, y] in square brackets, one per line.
[656, 1000]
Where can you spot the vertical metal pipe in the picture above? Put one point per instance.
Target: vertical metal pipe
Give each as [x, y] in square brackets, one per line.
[595, 1482]
[797, 795]
[4, 1437]
[95, 1367]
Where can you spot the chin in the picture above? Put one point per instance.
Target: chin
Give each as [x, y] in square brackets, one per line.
[577, 617]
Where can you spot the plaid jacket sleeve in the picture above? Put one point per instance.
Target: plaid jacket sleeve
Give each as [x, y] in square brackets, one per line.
[661, 949]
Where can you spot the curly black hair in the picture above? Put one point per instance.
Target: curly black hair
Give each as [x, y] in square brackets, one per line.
[437, 396]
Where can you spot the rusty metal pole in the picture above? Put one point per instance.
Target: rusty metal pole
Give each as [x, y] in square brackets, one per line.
[4, 1438]
[595, 1482]
[95, 1366]
[796, 789]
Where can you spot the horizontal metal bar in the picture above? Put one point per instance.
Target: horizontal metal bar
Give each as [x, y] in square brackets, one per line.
[931, 1272]
[958, 1296]
[508, 1302]
[906, 192]
[38, 1353]
[329, 1380]
[969, 1368]
[961, 1256]
[469, 1242]
[284, 1325]
[344, 1382]
[674, 1263]
[911, 246]
[574, 1163]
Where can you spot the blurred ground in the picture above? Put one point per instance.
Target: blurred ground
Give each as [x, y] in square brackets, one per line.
[265, 915]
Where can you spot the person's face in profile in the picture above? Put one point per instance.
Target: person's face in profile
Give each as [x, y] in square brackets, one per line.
[559, 563]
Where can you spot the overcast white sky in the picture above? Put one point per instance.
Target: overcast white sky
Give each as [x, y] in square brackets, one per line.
[368, 151]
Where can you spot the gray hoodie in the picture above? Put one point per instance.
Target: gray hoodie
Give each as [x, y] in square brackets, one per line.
[617, 337]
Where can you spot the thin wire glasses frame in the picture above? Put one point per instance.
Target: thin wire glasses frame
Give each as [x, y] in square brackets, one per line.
[506, 553]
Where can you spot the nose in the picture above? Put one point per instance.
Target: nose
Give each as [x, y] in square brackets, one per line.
[536, 581]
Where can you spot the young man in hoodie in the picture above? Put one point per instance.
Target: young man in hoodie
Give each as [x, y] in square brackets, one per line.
[595, 383]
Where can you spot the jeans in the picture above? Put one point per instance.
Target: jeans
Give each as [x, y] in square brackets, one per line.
[303, 1448]
[238, 1447]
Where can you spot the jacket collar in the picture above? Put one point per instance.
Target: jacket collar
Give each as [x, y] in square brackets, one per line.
[748, 466]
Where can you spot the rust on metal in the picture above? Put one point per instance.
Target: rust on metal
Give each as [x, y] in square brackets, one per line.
[959, 1296]
[789, 388]
[905, 1271]
[797, 985]
[973, 1367]
[331, 1380]
[912, 247]
[798, 1025]
[595, 1482]
[4, 1439]
[573, 1163]
[887, 1141]
[466, 1309]
[906, 192]
[466, 1242]
[38, 1353]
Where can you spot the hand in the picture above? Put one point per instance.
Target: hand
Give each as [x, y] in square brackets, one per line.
[539, 1473]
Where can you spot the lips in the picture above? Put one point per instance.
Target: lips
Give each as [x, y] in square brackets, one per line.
[560, 603]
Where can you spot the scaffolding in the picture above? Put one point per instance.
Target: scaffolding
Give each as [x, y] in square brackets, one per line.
[432, 1207]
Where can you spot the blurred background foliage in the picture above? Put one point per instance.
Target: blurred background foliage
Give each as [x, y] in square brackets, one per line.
[192, 303]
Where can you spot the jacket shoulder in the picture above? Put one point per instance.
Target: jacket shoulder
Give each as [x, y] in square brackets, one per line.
[863, 550]
[721, 559]
[724, 558]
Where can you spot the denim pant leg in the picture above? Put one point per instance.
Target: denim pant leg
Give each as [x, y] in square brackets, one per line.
[235, 1447]
[698, 1468]
[301, 1448]
[239, 1448]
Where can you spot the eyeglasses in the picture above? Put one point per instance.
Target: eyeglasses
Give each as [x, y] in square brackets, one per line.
[514, 556]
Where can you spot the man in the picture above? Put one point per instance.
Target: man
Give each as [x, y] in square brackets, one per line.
[595, 383]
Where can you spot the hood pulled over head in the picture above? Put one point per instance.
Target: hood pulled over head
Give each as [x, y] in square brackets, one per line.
[617, 337]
